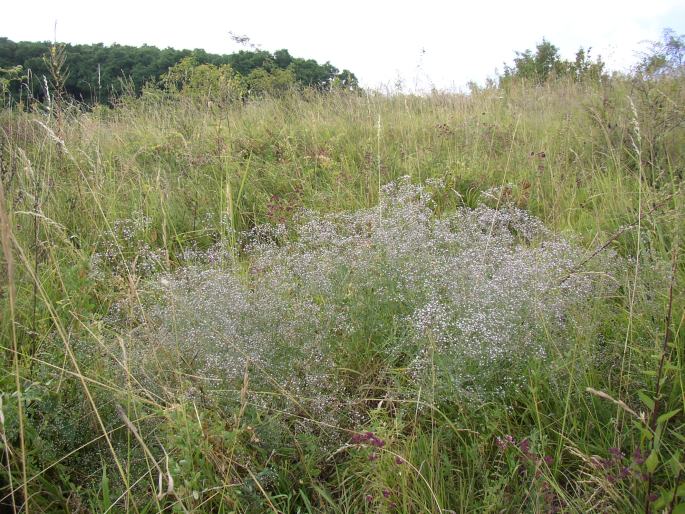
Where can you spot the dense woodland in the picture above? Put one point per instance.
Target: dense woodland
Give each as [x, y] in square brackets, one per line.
[96, 73]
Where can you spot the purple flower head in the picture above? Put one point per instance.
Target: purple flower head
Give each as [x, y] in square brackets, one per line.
[525, 446]
[386, 493]
[616, 453]
[373, 456]
[377, 442]
[549, 460]
[357, 438]
[399, 460]
[638, 457]
[369, 498]
[368, 437]
[504, 442]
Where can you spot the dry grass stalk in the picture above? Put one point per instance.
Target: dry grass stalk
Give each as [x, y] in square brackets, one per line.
[6, 241]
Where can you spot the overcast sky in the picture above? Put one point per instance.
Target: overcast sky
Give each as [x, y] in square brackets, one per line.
[424, 43]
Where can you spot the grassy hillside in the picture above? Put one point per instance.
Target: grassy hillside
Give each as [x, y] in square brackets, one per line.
[346, 303]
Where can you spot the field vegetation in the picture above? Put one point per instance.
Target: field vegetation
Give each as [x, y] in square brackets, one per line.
[99, 73]
[307, 300]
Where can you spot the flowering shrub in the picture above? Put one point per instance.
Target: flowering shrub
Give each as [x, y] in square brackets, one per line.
[122, 250]
[531, 468]
[461, 304]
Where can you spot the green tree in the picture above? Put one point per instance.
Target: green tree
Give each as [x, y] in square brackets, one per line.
[535, 66]
[283, 58]
[206, 82]
[275, 82]
[545, 64]
[665, 57]
[345, 80]
[99, 73]
[8, 77]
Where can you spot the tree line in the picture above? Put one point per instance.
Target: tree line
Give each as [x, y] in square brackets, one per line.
[98, 73]
[665, 57]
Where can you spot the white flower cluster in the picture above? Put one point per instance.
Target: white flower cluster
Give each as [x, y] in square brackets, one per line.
[463, 303]
[122, 249]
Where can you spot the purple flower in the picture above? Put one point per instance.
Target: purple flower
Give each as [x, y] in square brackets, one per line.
[638, 457]
[373, 456]
[386, 493]
[525, 446]
[399, 460]
[505, 442]
[549, 460]
[616, 453]
[368, 437]
[369, 498]
[377, 442]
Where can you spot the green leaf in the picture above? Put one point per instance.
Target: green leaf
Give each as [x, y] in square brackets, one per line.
[665, 417]
[646, 400]
[325, 495]
[658, 433]
[106, 497]
[670, 367]
[679, 509]
[305, 499]
[644, 430]
[681, 490]
[652, 461]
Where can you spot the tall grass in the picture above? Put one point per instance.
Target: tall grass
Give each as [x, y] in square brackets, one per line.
[191, 324]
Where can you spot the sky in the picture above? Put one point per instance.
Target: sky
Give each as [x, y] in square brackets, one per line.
[420, 44]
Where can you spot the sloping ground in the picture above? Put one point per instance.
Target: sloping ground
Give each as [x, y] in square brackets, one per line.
[488, 333]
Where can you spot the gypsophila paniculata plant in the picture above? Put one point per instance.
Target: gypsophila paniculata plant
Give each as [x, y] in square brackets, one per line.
[122, 249]
[475, 297]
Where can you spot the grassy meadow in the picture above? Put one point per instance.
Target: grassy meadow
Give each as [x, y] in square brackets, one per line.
[346, 302]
